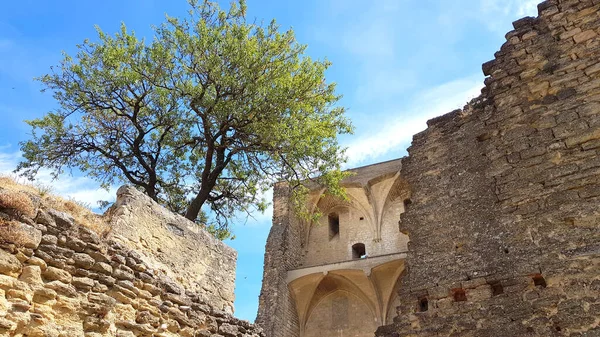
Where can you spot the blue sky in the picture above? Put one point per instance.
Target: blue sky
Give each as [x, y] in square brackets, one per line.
[397, 63]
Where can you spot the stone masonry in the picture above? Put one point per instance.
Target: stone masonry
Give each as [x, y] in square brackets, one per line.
[504, 217]
[162, 238]
[337, 276]
[61, 279]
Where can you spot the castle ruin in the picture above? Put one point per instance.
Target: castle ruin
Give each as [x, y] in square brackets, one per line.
[489, 227]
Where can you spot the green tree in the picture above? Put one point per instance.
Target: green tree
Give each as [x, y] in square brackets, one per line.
[207, 115]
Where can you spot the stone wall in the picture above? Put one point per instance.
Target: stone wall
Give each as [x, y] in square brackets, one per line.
[313, 275]
[277, 312]
[58, 278]
[368, 217]
[504, 223]
[174, 245]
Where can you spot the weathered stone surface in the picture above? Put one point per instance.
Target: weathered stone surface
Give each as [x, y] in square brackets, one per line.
[52, 274]
[83, 260]
[20, 234]
[9, 264]
[61, 219]
[42, 295]
[228, 330]
[503, 212]
[62, 288]
[83, 283]
[161, 238]
[31, 275]
[70, 282]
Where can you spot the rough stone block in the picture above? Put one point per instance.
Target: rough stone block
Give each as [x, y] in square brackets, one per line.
[584, 36]
[9, 264]
[22, 235]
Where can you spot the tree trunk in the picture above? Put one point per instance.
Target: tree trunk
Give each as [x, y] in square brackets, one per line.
[196, 205]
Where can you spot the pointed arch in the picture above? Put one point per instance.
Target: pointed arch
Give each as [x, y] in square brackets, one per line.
[343, 280]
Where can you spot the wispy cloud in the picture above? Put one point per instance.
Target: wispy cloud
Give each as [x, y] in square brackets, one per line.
[77, 188]
[495, 13]
[396, 134]
[527, 7]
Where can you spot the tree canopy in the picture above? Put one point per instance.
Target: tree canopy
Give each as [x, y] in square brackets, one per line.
[205, 117]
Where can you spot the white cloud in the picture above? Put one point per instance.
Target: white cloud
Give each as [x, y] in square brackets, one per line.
[397, 133]
[528, 8]
[510, 7]
[77, 188]
[496, 13]
[8, 161]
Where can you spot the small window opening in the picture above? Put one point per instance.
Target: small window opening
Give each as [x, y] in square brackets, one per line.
[423, 304]
[539, 281]
[334, 225]
[497, 288]
[407, 202]
[362, 218]
[459, 295]
[359, 251]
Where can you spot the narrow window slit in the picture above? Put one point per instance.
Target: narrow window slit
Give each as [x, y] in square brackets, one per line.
[334, 225]
[423, 304]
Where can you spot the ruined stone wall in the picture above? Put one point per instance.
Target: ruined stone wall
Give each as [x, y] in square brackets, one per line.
[174, 245]
[504, 223]
[61, 279]
[314, 282]
[277, 313]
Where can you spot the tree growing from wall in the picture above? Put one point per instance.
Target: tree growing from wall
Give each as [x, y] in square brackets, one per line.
[203, 117]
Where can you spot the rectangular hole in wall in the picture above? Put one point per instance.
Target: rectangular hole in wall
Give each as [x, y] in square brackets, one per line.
[423, 304]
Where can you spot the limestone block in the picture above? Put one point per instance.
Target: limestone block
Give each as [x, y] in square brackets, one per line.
[95, 324]
[480, 293]
[228, 330]
[63, 288]
[42, 295]
[55, 274]
[103, 268]
[76, 244]
[31, 275]
[6, 325]
[22, 235]
[83, 283]
[584, 36]
[9, 264]
[62, 220]
[36, 261]
[43, 218]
